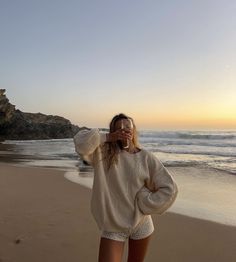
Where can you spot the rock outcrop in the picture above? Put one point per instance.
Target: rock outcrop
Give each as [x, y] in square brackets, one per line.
[18, 125]
[7, 110]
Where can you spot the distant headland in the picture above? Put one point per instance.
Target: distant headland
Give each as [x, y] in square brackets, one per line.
[17, 125]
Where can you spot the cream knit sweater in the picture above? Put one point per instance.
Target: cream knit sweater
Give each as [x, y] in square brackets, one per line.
[119, 198]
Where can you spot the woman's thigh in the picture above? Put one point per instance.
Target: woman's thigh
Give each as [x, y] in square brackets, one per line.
[110, 250]
[138, 249]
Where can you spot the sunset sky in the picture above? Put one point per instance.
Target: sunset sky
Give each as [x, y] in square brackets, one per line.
[168, 64]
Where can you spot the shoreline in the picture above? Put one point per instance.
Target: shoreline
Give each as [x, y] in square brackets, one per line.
[200, 195]
[86, 177]
[46, 217]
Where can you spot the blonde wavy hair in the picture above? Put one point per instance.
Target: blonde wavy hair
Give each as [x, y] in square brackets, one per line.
[111, 149]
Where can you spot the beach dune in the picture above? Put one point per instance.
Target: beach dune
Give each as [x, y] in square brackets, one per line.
[45, 217]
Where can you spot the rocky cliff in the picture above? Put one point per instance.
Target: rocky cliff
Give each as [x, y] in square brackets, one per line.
[18, 125]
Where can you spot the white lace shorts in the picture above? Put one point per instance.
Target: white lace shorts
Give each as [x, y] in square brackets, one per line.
[142, 230]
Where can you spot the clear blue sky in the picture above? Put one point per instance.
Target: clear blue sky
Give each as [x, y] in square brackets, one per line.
[168, 64]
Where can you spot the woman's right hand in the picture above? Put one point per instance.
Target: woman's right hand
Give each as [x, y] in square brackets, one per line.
[119, 134]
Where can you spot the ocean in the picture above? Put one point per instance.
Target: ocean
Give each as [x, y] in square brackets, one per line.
[214, 149]
[204, 164]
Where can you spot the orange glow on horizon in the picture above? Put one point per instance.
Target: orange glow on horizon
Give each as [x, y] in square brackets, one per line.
[188, 123]
[168, 123]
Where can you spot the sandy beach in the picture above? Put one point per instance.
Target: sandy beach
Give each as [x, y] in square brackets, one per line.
[45, 217]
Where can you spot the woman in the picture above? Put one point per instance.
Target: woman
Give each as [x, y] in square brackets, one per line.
[130, 183]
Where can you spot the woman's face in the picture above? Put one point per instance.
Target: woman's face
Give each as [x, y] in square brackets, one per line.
[125, 124]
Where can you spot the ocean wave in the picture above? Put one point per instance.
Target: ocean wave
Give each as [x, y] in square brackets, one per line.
[165, 142]
[206, 136]
[210, 135]
[38, 141]
[187, 152]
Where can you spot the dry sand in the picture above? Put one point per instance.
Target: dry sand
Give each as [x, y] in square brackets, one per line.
[44, 217]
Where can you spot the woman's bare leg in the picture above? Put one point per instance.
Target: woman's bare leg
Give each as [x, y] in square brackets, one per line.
[110, 250]
[138, 249]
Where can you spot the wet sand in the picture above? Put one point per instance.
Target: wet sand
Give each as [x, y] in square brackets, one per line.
[45, 217]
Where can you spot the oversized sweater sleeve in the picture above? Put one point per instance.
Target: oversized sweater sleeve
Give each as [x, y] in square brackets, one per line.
[87, 141]
[163, 193]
